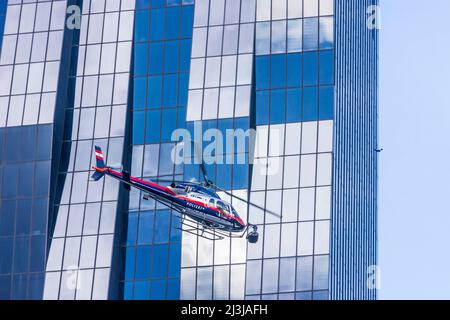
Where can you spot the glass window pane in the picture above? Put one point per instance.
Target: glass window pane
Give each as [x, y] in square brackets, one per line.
[232, 11]
[23, 48]
[326, 7]
[263, 9]
[321, 272]
[246, 36]
[278, 9]
[278, 36]
[288, 239]
[253, 277]
[295, 8]
[311, 8]
[212, 72]
[248, 9]
[27, 17]
[12, 19]
[201, 13]
[310, 30]
[304, 274]
[230, 41]
[287, 275]
[215, 41]
[305, 238]
[322, 237]
[270, 283]
[326, 33]
[295, 35]
[199, 42]
[216, 12]
[263, 38]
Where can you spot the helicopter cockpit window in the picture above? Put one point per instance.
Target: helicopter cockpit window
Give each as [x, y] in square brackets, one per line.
[222, 206]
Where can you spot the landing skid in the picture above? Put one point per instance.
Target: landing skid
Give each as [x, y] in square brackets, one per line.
[203, 230]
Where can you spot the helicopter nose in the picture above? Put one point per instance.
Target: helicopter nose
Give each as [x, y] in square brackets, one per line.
[241, 222]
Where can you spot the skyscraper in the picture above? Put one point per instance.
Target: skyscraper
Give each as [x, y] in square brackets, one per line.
[301, 73]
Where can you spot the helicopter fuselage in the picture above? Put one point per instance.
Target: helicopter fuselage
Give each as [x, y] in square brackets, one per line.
[200, 204]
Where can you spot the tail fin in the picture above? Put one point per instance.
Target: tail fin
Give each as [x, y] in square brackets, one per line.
[99, 169]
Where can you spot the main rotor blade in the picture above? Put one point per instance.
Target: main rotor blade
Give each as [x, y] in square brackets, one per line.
[176, 181]
[202, 166]
[250, 203]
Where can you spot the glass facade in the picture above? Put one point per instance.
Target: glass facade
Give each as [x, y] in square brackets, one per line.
[354, 200]
[162, 46]
[291, 70]
[79, 264]
[29, 71]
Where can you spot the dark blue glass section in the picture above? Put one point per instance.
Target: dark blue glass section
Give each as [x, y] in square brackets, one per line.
[277, 106]
[185, 55]
[294, 105]
[146, 221]
[25, 153]
[174, 260]
[153, 126]
[173, 289]
[7, 217]
[170, 86]
[128, 290]
[156, 58]
[278, 71]
[294, 70]
[155, 91]
[24, 216]
[310, 68]
[19, 289]
[37, 254]
[138, 127]
[142, 25]
[139, 97]
[6, 249]
[36, 286]
[21, 250]
[143, 262]
[326, 74]
[173, 22]
[262, 107]
[158, 290]
[162, 97]
[171, 57]
[140, 59]
[240, 176]
[142, 290]
[262, 72]
[326, 100]
[187, 19]
[160, 255]
[310, 105]
[157, 24]
[129, 262]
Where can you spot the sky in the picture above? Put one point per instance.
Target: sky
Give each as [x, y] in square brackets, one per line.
[414, 173]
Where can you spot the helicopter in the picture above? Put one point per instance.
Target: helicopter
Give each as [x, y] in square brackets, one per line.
[209, 216]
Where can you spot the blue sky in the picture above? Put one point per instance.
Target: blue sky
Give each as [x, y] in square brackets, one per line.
[414, 185]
